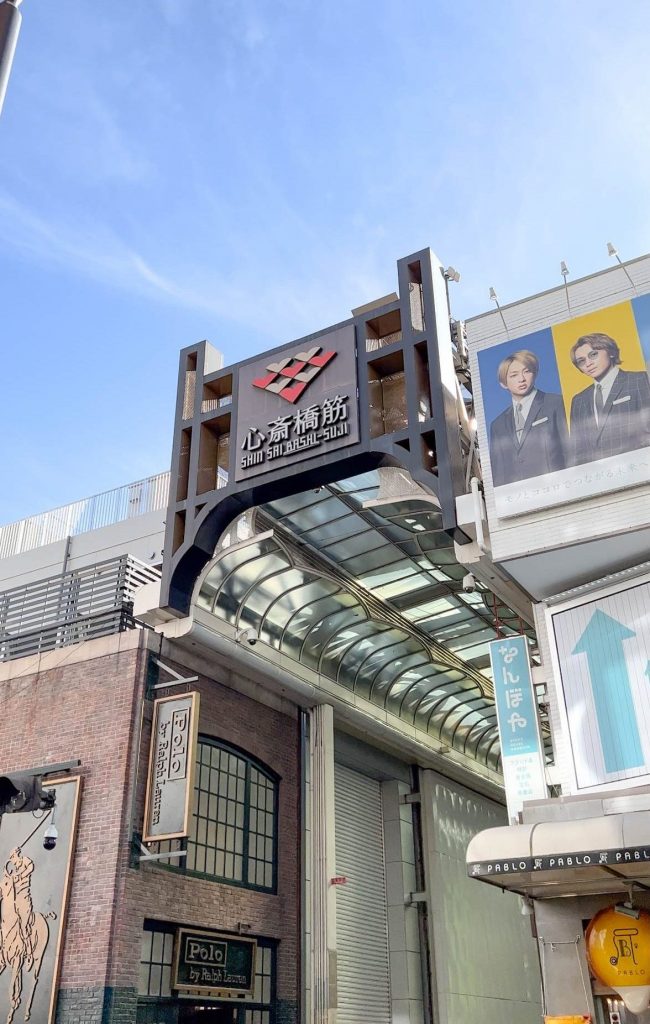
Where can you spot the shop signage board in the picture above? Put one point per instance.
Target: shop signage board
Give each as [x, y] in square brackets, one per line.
[522, 752]
[601, 653]
[618, 951]
[298, 403]
[172, 757]
[214, 964]
[572, 1018]
[606, 859]
[564, 411]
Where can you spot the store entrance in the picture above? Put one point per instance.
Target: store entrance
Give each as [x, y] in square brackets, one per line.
[207, 1014]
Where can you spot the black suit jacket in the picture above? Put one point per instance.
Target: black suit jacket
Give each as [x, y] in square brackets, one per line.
[624, 425]
[544, 445]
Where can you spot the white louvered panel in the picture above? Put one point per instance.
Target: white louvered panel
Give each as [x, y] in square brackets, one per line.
[361, 915]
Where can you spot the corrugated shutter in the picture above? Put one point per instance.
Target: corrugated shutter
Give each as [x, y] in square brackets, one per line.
[361, 915]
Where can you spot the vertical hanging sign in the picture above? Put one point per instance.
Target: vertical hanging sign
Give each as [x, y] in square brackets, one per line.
[171, 767]
[516, 706]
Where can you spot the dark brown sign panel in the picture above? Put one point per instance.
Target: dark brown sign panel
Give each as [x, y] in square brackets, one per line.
[297, 403]
[213, 964]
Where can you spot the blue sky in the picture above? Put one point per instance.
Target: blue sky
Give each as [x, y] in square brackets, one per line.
[248, 171]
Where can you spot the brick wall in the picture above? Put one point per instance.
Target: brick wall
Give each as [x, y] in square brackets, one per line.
[80, 709]
[271, 737]
[85, 702]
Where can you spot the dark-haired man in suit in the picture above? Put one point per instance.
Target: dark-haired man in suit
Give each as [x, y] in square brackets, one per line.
[530, 437]
[612, 415]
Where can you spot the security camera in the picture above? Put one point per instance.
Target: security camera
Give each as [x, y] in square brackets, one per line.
[246, 636]
[50, 837]
[469, 583]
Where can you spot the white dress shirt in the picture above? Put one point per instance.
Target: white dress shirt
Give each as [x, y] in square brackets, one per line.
[606, 383]
[525, 404]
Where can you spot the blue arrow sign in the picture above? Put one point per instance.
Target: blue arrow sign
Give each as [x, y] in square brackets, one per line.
[602, 642]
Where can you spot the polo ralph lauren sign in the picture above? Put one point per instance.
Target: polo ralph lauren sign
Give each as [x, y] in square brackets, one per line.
[273, 431]
[214, 964]
[171, 767]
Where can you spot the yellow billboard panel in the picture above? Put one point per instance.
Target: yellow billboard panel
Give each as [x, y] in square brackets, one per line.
[615, 322]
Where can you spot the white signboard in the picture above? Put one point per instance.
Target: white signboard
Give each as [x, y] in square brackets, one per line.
[602, 663]
[171, 767]
[522, 753]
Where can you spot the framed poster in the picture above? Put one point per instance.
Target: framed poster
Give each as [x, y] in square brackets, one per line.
[34, 883]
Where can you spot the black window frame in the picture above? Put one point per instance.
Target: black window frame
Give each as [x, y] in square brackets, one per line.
[250, 762]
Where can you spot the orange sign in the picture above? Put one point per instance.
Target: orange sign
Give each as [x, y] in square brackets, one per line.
[579, 1018]
[618, 949]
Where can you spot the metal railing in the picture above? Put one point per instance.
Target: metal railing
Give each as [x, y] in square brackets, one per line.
[71, 607]
[92, 513]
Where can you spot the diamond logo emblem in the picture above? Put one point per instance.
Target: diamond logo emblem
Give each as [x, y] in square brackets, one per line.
[291, 376]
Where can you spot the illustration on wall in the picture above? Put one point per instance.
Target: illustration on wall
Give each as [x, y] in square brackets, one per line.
[567, 409]
[33, 890]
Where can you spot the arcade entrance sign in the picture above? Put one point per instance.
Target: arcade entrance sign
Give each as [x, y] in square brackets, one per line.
[270, 435]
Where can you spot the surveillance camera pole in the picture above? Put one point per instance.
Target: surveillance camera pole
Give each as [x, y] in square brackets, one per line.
[10, 19]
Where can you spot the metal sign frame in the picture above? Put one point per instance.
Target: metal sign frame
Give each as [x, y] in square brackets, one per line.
[193, 729]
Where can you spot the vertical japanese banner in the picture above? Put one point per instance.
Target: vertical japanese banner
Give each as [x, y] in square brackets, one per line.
[522, 753]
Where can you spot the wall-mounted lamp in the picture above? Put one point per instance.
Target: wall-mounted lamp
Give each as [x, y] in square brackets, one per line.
[564, 270]
[452, 274]
[495, 298]
[613, 251]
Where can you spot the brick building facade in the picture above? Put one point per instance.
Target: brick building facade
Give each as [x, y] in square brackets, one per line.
[91, 702]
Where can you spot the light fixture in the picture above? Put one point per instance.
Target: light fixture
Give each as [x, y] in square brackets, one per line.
[628, 910]
[495, 298]
[452, 274]
[613, 251]
[564, 270]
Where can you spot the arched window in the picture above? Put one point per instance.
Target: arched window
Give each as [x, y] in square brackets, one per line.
[233, 834]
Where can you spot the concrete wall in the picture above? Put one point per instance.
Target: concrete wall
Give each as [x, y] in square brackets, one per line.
[484, 959]
[141, 536]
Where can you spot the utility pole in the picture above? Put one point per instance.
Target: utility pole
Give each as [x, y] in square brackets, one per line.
[10, 19]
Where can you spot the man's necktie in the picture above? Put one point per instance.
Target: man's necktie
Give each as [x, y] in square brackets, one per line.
[519, 421]
[600, 404]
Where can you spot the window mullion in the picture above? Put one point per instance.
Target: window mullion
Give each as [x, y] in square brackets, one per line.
[247, 821]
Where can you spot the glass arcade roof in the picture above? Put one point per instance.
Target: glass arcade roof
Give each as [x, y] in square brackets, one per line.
[370, 596]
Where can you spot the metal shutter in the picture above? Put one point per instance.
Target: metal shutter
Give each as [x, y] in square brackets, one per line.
[361, 915]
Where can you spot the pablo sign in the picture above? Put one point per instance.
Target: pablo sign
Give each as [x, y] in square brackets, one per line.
[299, 403]
[561, 861]
[618, 950]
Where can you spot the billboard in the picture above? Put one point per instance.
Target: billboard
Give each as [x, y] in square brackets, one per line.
[601, 651]
[567, 409]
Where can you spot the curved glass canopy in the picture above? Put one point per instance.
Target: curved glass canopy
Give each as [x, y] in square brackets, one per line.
[369, 596]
